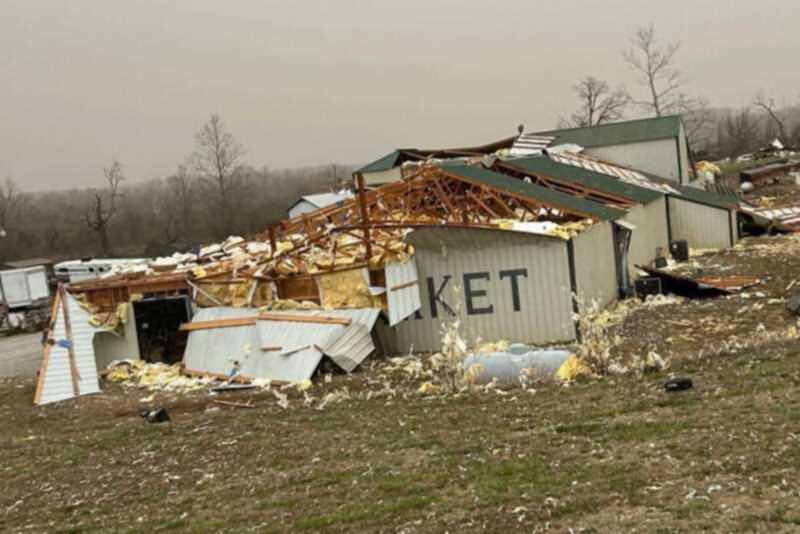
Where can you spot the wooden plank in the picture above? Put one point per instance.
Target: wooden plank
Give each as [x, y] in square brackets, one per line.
[321, 319]
[219, 323]
[403, 285]
[37, 395]
[73, 366]
[234, 404]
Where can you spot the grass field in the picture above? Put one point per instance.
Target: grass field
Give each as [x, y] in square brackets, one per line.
[607, 455]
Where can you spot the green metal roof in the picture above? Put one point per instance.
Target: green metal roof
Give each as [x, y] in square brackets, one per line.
[701, 196]
[541, 165]
[385, 163]
[619, 133]
[550, 197]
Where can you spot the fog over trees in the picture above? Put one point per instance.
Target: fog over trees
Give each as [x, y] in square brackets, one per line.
[213, 194]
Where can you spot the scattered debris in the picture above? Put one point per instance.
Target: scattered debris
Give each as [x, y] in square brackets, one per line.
[158, 415]
[234, 404]
[678, 384]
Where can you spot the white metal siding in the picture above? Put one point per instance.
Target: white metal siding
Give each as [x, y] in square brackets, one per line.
[402, 301]
[658, 157]
[683, 153]
[57, 382]
[545, 305]
[109, 347]
[303, 206]
[595, 265]
[735, 226]
[214, 350]
[382, 177]
[651, 233]
[701, 225]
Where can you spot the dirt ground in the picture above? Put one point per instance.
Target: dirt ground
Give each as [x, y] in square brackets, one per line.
[612, 454]
[20, 354]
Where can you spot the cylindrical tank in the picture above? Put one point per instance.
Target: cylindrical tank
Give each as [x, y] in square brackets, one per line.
[507, 366]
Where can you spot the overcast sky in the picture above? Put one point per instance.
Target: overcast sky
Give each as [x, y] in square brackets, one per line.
[313, 82]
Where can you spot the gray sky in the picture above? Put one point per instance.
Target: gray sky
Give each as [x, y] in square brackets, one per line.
[311, 82]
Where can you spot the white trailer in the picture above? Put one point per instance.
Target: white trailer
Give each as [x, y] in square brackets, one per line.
[80, 270]
[24, 288]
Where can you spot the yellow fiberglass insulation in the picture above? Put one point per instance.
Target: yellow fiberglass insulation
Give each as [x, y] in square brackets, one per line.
[347, 289]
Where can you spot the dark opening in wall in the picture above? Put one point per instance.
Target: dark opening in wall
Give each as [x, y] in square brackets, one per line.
[157, 326]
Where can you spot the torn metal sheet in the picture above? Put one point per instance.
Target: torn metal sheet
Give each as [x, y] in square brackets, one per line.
[68, 366]
[402, 290]
[215, 350]
[283, 351]
[351, 347]
[700, 286]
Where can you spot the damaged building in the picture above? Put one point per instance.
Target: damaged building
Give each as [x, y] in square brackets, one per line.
[503, 236]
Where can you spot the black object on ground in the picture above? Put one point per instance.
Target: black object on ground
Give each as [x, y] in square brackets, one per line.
[159, 415]
[679, 383]
[679, 250]
[647, 286]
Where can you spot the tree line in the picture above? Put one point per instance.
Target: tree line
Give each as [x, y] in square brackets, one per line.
[212, 195]
[662, 88]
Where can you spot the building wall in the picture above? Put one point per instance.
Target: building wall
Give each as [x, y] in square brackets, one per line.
[109, 347]
[701, 225]
[382, 177]
[595, 265]
[302, 206]
[651, 232]
[658, 157]
[684, 155]
[485, 265]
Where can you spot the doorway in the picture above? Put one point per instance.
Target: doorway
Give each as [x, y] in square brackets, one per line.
[158, 321]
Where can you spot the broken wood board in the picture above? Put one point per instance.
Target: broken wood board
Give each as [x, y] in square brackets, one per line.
[321, 319]
[219, 323]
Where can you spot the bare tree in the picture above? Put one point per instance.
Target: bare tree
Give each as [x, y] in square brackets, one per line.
[181, 191]
[699, 122]
[778, 117]
[103, 205]
[11, 200]
[738, 132]
[654, 64]
[216, 162]
[599, 104]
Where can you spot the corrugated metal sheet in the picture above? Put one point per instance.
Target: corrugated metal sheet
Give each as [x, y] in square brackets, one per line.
[700, 225]
[595, 265]
[654, 157]
[376, 178]
[294, 349]
[492, 263]
[351, 347]
[57, 381]
[650, 234]
[301, 348]
[215, 350]
[529, 144]
[548, 197]
[623, 174]
[788, 216]
[617, 133]
[403, 299]
[382, 164]
[309, 203]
